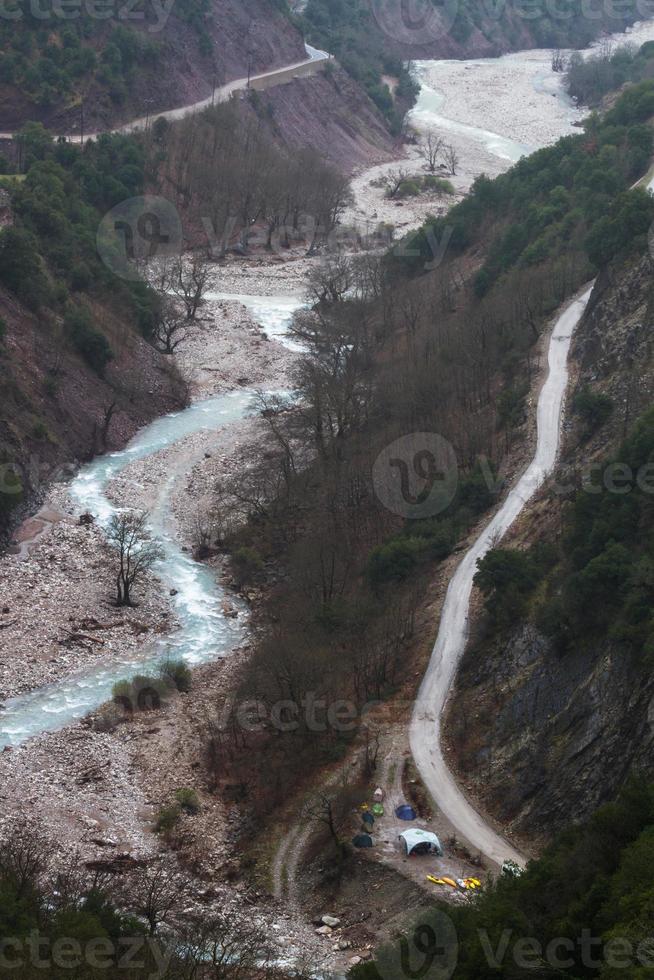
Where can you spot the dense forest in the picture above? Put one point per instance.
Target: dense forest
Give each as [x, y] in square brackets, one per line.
[50, 264]
[589, 79]
[583, 909]
[49, 66]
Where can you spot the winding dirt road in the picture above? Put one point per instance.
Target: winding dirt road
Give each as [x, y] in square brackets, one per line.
[315, 62]
[425, 731]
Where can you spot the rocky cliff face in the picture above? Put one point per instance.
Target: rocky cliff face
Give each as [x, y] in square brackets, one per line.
[541, 737]
[330, 113]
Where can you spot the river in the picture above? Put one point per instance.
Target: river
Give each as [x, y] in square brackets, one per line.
[205, 633]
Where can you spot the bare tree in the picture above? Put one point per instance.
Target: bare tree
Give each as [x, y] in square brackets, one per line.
[393, 180]
[330, 281]
[156, 894]
[108, 415]
[333, 808]
[24, 858]
[430, 148]
[137, 552]
[169, 330]
[558, 61]
[190, 281]
[451, 158]
[372, 743]
[225, 946]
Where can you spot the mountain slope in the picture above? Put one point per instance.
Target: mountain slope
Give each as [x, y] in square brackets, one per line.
[102, 72]
[562, 692]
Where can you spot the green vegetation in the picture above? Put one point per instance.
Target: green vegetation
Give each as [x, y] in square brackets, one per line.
[597, 583]
[349, 31]
[13, 490]
[177, 674]
[50, 251]
[247, 563]
[188, 800]
[506, 578]
[61, 910]
[141, 693]
[421, 542]
[167, 819]
[424, 183]
[54, 59]
[591, 882]
[572, 199]
[588, 79]
[21, 268]
[593, 407]
[606, 577]
[89, 342]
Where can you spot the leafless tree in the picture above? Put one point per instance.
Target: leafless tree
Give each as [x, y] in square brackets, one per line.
[333, 809]
[24, 858]
[170, 325]
[558, 61]
[106, 422]
[225, 946]
[201, 534]
[137, 552]
[430, 147]
[371, 741]
[330, 280]
[189, 282]
[156, 894]
[451, 158]
[393, 180]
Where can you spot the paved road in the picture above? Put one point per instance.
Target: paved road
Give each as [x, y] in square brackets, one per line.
[314, 63]
[425, 730]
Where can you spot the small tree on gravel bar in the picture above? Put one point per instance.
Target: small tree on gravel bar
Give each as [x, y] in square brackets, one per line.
[137, 552]
[189, 282]
[430, 147]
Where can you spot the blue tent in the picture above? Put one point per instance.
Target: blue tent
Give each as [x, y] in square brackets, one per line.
[405, 812]
[362, 840]
[368, 818]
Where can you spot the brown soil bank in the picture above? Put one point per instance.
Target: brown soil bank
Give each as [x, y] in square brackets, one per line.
[56, 410]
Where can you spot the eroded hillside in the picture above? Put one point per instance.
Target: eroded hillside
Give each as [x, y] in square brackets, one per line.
[554, 707]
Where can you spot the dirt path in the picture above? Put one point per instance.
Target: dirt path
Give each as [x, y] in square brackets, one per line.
[425, 731]
[278, 76]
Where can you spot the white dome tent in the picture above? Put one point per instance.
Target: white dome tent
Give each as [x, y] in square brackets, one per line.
[417, 841]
